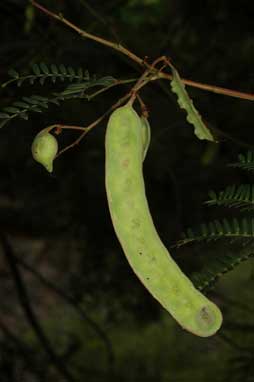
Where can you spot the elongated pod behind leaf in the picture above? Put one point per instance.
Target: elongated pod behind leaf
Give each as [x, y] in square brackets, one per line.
[44, 149]
[135, 230]
[146, 135]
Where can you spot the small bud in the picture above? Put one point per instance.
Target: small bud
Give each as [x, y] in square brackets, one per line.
[44, 149]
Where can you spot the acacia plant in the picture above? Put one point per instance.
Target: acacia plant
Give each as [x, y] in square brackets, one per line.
[130, 134]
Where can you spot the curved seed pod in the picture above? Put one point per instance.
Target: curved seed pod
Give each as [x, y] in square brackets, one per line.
[44, 149]
[146, 134]
[135, 230]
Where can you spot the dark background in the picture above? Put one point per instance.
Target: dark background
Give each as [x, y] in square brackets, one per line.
[58, 226]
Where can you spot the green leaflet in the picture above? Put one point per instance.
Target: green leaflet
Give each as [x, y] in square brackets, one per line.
[150, 260]
[184, 101]
[216, 268]
[237, 230]
[245, 161]
[37, 103]
[232, 229]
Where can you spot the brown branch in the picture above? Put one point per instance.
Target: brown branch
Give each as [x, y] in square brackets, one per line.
[120, 48]
[27, 353]
[132, 94]
[100, 18]
[231, 342]
[28, 310]
[72, 302]
[217, 89]
[90, 36]
[93, 124]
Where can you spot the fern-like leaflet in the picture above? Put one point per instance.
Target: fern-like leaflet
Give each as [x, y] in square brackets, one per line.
[241, 197]
[241, 230]
[217, 267]
[245, 161]
[233, 229]
[41, 72]
[37, 103]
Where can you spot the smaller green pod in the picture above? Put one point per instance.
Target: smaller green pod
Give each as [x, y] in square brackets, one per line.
[44, 149]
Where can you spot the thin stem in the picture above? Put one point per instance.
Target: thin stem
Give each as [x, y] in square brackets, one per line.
[235, 140]
[28, 310]
[72, 302]
[90, 36]
[142, 81]
[93, 124]
[101, 18]
[13, 338]
[143, 62]
[144, 110]
[59, 127]
[232, 343]
[27, 353]
[119, 82]
[215, 89]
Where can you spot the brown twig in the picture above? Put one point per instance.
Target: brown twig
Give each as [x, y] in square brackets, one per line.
[120, 48]
[72, 302]
[27, 353]
[28, 310]
[58, 128]
[144, 109]
[142, 81]
[100, 18]
[93, 124]
[132, 94]
[231, 342]
[118, 82]
[90, 36]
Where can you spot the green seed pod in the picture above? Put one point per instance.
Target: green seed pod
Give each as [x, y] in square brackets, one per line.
[44, 149]
[135, 230]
